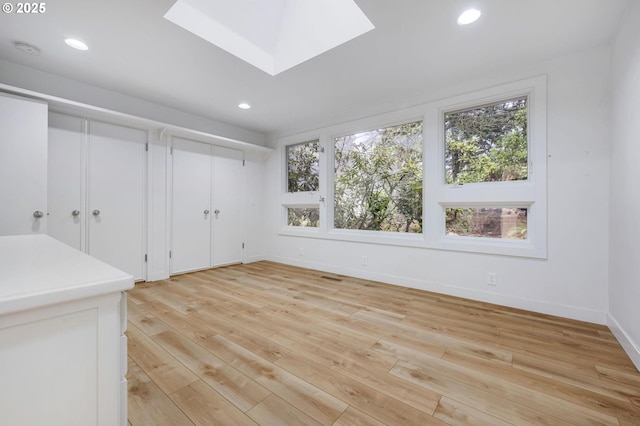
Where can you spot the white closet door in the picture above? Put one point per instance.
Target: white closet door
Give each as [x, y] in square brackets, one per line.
[116, 196]
[191, 230]
[65, 180]
[23, 166]
[229, 220]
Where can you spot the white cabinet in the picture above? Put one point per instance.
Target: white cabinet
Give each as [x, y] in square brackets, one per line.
[97, 190]
[62, 345]
[208, 207]
[23, 166]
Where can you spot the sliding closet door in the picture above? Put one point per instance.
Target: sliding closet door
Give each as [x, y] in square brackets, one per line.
[116, 201]
[191, 230]
[229, 219]
[65, 180]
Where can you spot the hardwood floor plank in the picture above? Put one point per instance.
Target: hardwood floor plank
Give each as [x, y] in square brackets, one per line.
[169, 374]
[274, 411]
[353, 417]
[303, 395]
[429, 371]
[375, 403]
[148, 404]
[206, 407]
[552, 371]
[267, 343]
[476, 349]
[235, 386]
[457, 414]
[142, 319]
[558, 391]
[358, 369]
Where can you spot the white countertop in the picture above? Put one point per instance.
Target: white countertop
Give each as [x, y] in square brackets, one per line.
[37, 270]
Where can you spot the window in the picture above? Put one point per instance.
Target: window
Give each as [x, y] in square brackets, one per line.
[301, 204]
[304, 217]
[466, 173]
[303, 167]
[378, 179]
[487, 143]
[504, 222]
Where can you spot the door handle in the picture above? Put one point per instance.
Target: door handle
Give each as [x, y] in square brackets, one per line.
[206, 212]
[38, 214]
[96, 212]
[216, 211]
[75, 213]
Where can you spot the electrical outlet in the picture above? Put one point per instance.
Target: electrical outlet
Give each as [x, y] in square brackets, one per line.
[301, 251]
[492, 278]
[365, 261]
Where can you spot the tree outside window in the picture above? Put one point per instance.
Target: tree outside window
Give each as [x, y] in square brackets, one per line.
[487, 144]
[303, 167]
[378, 179]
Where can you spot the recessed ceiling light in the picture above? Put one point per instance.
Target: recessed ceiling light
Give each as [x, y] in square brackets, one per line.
[76, 44]
[469, 16]
[244, 105]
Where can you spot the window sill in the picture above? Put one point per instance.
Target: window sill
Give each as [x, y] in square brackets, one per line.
[515, 248]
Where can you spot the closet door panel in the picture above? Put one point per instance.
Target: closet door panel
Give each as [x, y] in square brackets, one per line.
[191, 227]
[116, 196]
[23, 165]
[229, 220]
[65, 180]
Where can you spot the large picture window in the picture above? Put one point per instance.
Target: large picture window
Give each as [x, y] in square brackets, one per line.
[378, 179]
[466, 173]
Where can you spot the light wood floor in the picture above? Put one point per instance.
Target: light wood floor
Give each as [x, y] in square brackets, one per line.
[271, 344]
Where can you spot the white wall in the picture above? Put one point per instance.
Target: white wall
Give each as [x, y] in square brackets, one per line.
[624, 263]
[572, 281]
[255, 237]
[23, 77]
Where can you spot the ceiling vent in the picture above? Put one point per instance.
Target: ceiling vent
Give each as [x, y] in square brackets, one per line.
[27, 48]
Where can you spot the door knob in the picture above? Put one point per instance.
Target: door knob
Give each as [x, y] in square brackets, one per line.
[95, 212]
[38, 214]
[75, 213]
[216, 211]
[206, 212]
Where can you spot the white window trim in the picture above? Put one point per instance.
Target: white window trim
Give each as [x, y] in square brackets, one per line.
[531, 193]
[437, 195]
[306, 199]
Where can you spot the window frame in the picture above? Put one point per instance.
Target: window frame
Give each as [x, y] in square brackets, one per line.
[436, 194]
[286, 156]
[530, 193]
[331, 184]
[301, 199]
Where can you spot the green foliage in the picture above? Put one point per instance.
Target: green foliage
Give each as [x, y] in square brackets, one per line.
[302, 167]
[487, 144]
[378, 179]
[305, 217]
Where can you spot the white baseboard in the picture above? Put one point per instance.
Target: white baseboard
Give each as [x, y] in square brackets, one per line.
[157, 277]
[630, 347]
[251, 259]
[565, 311]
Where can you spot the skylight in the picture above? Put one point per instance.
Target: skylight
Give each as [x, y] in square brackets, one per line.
[273, 35]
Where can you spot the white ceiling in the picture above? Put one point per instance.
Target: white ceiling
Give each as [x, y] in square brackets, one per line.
[416, 47]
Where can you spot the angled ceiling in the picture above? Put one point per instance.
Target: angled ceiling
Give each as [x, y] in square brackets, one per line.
[416, 47]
